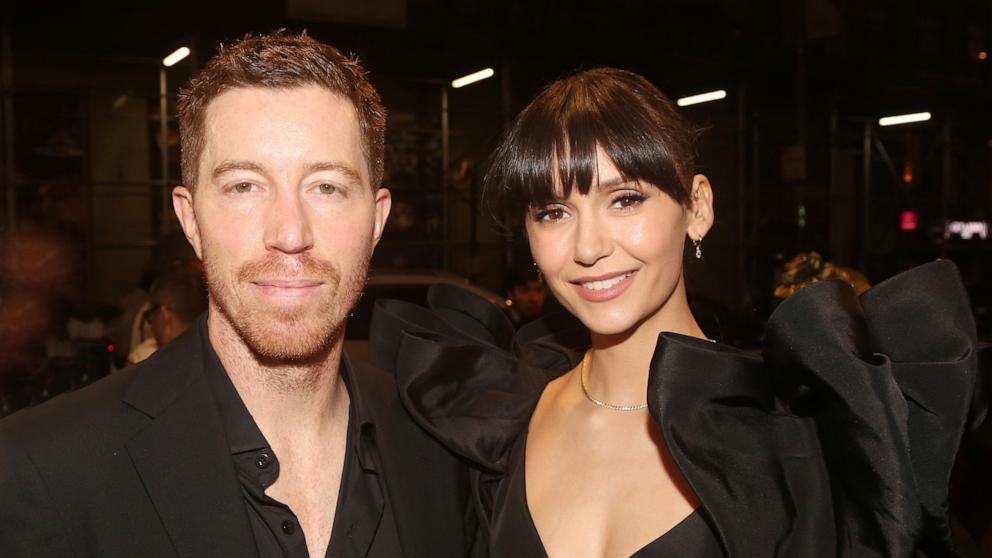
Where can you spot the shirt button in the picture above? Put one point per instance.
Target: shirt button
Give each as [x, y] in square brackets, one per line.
[263, 460]
[288, 527]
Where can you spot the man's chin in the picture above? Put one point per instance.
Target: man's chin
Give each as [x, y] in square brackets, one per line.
[290, 348]
[289, 339]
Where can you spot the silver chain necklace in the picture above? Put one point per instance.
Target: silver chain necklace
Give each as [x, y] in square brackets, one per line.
[597, 402]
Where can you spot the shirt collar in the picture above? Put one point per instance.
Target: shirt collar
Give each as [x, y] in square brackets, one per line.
[368, 455]
[243, 433]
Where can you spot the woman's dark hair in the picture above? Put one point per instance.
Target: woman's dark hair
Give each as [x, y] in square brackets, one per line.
[554, 140]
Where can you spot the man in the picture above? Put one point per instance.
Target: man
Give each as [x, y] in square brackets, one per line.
[175, 300]
[526, 293]
[250, 434]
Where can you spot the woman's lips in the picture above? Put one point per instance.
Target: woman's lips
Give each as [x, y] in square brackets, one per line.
[604, 287]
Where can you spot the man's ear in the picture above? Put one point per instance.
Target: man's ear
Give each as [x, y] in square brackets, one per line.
[182, 203]
[701, 210]
[383, 203]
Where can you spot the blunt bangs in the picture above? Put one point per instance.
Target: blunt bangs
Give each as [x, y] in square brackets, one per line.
[551, 146]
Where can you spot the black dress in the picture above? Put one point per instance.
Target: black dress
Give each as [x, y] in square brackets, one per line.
[838, 442]
[513, 533]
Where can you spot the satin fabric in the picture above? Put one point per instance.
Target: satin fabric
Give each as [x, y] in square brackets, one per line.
[838, 442]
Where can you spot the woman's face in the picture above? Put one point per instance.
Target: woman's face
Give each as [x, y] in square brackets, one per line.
[613, 257]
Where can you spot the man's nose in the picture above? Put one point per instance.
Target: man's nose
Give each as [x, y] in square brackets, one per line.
[287, 224]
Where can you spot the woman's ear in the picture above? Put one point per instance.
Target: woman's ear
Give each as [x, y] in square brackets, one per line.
[701, 210]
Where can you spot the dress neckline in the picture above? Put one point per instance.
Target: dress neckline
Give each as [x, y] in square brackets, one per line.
[532, 525]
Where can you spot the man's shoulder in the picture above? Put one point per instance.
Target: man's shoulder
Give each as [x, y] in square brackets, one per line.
[427, 484]
[378, 386]
[382, 405]
[380, 400]
[92, 415]
[70, 416]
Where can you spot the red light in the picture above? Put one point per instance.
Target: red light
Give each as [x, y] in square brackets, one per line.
[110, 348]
[907, 220]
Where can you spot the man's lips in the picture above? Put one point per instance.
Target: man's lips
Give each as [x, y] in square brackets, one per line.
[288, 283]
[287, 287]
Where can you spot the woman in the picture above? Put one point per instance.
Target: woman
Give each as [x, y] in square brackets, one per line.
[644, 438]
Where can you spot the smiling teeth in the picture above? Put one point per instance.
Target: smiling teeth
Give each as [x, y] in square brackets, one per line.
[605, 283]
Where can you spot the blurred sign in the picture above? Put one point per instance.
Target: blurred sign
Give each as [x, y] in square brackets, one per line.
[966, 230]
[367, 13]
[908, 221]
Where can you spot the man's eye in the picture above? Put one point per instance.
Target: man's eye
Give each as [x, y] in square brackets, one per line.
[242, 187]
[326, 188]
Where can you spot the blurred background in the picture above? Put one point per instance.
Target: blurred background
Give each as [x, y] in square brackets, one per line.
[797, 145]
[795, 140]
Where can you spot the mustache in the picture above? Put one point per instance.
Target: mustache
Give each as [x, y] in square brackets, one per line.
[304, 266]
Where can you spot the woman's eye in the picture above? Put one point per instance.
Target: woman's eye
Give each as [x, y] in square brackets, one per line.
[550, 214]
[627, 201]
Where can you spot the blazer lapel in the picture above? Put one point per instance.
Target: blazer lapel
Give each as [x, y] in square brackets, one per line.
[182, 457]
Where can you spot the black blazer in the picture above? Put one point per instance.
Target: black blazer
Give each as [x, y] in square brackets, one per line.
[137, 465]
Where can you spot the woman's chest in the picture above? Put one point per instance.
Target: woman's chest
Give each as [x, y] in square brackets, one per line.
[600, 492]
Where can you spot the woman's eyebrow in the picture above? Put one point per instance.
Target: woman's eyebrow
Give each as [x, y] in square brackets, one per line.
[614, 182]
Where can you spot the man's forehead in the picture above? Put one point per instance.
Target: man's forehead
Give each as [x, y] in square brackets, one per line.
[253, 95]
[311, 116]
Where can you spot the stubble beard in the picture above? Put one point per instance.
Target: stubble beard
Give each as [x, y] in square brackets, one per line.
[287, 335]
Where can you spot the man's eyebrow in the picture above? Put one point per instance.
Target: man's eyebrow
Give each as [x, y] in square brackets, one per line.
[331, 166]
[228, 166]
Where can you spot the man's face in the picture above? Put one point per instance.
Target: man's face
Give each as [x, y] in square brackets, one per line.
[528, 299]
[283, 217]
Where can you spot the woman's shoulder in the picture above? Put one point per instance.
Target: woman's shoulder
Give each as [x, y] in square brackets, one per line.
[850, 392]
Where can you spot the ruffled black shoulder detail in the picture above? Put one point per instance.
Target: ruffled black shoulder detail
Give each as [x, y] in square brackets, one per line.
[852, 419]
[463, 373]
[839, 441]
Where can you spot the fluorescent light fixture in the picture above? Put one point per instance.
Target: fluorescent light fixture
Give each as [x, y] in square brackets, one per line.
[176, 56]
[473, 77]
[904, 119]
[701, 98]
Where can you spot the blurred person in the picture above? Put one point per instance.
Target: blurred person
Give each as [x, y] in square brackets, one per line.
[128, 330]
[250, 434]
[624, 430]
[37, 286]
[526, 293]
[176, 299]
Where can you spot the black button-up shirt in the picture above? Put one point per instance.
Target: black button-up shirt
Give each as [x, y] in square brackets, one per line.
[275, 527]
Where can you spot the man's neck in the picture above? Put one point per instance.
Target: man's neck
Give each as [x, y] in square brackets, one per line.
[295, 405]
[302, 411]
